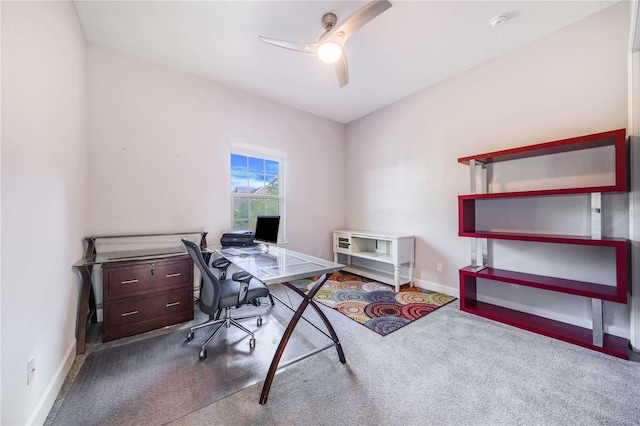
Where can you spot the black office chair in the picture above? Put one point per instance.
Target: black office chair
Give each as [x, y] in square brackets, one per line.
[225, 294]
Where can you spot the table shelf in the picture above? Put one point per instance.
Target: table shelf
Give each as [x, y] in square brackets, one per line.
[613, 345]
[560, 285]
[615, 138]
[549, 238]
[376, 247]
[374, 274]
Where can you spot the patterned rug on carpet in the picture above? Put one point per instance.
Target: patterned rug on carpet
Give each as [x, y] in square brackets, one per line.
[375, 305]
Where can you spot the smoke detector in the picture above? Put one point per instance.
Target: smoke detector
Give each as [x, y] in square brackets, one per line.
[500, 19]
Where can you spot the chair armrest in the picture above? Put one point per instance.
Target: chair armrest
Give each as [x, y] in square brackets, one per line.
[243, 278]
[221, 264]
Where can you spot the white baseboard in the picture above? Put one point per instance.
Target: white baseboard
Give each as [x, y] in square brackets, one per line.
[43, 407]
[431, 286]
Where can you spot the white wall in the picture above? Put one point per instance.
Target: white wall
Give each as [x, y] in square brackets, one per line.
[43, 200]
[159, 153]
[159, 146]
[402, 165]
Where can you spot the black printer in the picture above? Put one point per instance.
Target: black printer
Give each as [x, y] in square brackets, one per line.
[237, 239]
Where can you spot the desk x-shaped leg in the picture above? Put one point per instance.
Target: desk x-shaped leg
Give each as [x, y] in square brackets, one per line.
[307, 299]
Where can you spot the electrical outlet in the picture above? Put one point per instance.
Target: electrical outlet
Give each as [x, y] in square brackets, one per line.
[439, 267]
[31, 370]
[320, 253]
[515, 285]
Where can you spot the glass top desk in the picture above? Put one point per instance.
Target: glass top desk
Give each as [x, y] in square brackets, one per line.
[279, 265]
[276, 264]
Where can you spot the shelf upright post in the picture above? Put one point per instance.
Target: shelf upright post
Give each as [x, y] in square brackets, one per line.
[597, 313]
[596, 215]
[478, 185]
[597, 308]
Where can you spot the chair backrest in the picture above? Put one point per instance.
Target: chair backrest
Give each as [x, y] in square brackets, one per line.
[210, 287]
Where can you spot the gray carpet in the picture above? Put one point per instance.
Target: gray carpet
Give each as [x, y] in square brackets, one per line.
[448, 368]
[158, 379]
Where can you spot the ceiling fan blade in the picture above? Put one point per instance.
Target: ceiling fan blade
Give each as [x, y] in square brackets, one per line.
[342, 70]
[359, 18]
[308, 48]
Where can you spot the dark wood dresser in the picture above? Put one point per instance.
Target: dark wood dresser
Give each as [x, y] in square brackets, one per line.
[144, 295]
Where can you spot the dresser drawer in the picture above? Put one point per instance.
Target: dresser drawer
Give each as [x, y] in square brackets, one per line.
[124, 280]
[152, 307]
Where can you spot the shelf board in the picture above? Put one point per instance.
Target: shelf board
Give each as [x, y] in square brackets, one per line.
[611, 138]
[548, 238]
[382, 236]
[372, 255]
[545, 192]
[374, 274]
[560, 285]
[613, 345]
[615, 138]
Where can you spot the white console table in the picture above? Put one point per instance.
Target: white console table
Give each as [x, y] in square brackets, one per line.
[394, 249]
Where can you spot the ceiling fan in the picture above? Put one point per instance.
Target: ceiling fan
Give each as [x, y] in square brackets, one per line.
[330, 47]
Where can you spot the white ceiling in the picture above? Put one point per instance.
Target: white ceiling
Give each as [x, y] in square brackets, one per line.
[409, 47]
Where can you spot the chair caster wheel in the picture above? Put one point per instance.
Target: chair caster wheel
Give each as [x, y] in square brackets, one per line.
[190, 336]
[259, 321]
[203, 354]
[252, 342]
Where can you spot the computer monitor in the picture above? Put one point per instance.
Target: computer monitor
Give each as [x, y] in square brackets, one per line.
[267, 230]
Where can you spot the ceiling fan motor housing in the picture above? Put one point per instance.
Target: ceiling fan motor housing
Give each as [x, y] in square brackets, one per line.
[329, 20]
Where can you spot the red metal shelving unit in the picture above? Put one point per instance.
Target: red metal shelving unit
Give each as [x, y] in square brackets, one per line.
[617, 293]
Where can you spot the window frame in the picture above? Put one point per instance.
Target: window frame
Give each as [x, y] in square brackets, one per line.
[266, 154]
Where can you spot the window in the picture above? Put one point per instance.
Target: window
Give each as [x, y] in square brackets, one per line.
[256, 186]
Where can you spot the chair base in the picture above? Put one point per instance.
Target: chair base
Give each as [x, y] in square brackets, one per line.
[227, 321]
[256, 302]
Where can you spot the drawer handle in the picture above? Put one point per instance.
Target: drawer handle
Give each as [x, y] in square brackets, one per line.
[174, 275]
[172, 304]
[126, 314]
[129, 282]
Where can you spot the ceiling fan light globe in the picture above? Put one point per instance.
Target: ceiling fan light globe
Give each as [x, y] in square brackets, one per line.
[329, 52]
